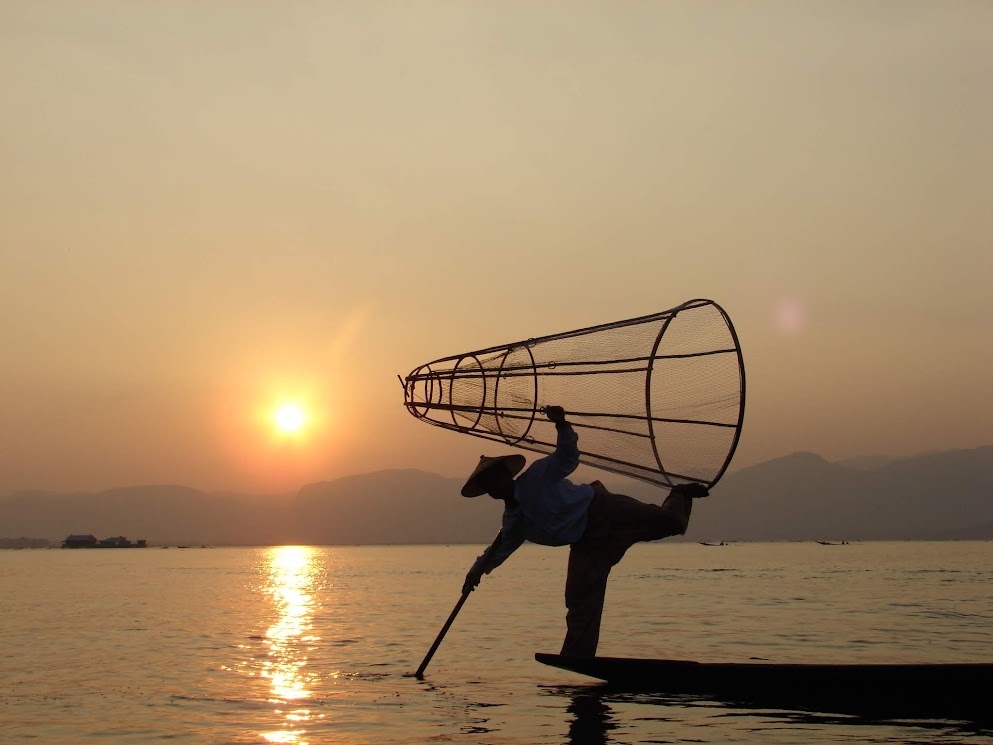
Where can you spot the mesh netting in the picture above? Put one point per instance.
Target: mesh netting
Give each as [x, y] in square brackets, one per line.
[659, 398]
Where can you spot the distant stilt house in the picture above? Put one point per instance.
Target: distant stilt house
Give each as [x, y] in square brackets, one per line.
[80, 541]
[117, 541]
[89, 541]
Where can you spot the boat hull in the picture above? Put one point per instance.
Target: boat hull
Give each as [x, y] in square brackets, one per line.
[886, 690]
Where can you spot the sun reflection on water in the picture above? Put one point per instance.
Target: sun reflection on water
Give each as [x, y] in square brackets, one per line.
[291, 586]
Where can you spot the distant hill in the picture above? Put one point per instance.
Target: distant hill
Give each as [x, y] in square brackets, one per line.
[983, 532]
[23, 542]
[396, 506]
[867, 462]
[801, 496]
[403, 506]
[162, 514]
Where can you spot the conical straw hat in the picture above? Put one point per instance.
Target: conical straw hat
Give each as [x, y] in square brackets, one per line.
[472, 486]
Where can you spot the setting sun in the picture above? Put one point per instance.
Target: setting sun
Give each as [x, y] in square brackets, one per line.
[290, 418]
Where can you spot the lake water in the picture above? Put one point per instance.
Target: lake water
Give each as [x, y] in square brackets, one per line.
[311, 644]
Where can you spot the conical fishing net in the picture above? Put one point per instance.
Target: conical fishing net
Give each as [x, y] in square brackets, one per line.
[659, 398]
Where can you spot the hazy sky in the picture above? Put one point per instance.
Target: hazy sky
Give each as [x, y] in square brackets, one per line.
[209, 208]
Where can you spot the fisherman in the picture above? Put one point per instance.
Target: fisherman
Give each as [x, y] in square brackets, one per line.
[543, 506]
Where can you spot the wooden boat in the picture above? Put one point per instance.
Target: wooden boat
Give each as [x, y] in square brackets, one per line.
[954, 690]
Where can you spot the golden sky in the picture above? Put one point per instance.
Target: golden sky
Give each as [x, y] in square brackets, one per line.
[208, 210]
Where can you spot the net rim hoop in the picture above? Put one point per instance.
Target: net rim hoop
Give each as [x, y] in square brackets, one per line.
[648, 396]
[741, 394]
[496, 393]
[451, 387]
[428, 382]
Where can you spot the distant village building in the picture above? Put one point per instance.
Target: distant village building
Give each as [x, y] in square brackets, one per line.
[80, 541]
[89, 541]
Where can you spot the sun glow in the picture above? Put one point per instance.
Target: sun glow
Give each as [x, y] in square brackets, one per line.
[290, 418]
[279, 432]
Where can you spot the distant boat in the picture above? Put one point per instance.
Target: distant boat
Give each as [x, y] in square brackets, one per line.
[90, 541]
[704, 543]
[833, 543]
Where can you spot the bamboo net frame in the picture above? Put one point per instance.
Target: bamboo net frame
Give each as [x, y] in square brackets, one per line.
[660, 398]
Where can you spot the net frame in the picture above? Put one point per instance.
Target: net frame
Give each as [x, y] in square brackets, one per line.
[499, 393]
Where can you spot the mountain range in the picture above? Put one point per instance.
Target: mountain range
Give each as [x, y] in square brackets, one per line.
[945, 495]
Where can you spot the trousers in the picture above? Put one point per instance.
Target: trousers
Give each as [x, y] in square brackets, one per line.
[615, 522]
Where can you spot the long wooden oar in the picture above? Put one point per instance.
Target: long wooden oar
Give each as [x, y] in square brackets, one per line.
[451, 618]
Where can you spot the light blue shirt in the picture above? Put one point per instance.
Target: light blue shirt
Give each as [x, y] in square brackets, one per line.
[550, 510]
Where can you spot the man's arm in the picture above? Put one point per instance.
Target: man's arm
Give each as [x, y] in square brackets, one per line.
[565, 459]
[509, 540]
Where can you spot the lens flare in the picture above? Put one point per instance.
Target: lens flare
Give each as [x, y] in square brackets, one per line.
[789, 317]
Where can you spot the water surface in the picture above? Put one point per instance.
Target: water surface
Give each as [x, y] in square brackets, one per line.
[313, 644]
